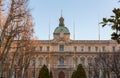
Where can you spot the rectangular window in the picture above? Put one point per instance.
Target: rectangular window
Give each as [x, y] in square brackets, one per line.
[82, 48]
[40, 48]
[113, 48]
[96, 49]
[61, 47]
[89, 49]
[33, 62]
[40, 61]
[103, 49]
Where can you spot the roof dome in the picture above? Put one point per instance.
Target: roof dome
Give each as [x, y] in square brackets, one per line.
[61, 27]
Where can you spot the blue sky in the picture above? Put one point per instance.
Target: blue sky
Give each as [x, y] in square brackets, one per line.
[84, 13]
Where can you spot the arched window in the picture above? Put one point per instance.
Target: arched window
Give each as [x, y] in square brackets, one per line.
[89, 61]
[61, 61]
[40, 61]
[82, 61]
[96, 60]
[33, 62]
[46, 61]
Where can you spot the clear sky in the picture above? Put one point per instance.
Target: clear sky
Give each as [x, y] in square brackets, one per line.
[84, 13]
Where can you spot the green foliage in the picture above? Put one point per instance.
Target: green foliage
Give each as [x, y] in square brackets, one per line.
[51, 75]
[80, 73]
[44, 73]
[114, 22]
[74, 74]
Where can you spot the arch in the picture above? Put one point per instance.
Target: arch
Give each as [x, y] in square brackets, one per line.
[61, 74]
[89, 59]
[47, 61]
[40, 61]
[82, 61]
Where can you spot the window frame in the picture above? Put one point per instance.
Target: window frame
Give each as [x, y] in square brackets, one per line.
[61, 47]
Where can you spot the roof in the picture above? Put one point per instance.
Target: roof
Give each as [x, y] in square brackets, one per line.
[61, 27]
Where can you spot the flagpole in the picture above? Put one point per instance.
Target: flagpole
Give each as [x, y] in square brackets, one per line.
[74, 40]
[49, 46]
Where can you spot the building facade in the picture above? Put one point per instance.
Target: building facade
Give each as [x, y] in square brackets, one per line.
[62, 55]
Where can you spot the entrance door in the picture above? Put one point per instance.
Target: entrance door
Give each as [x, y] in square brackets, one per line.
[61, 74]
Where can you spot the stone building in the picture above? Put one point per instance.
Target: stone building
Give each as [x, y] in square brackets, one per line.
[59, 53]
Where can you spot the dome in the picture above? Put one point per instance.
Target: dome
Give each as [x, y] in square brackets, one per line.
[61, 27]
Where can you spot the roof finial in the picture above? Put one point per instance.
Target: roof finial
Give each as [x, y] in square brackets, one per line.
[61, 23]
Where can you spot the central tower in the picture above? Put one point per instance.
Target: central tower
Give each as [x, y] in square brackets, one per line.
[61, 32]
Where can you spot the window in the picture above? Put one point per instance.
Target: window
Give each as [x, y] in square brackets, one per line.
[46, 61]
[103, 49]
[82, 48]
[96, 60]
[61, 47]
[61, 61]
[33, 62]
[96, 49]
[89, 49]
[113, 48]
[48, 48]
[82, 61]
[40, 48]
[40, 61]
[89, 61]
